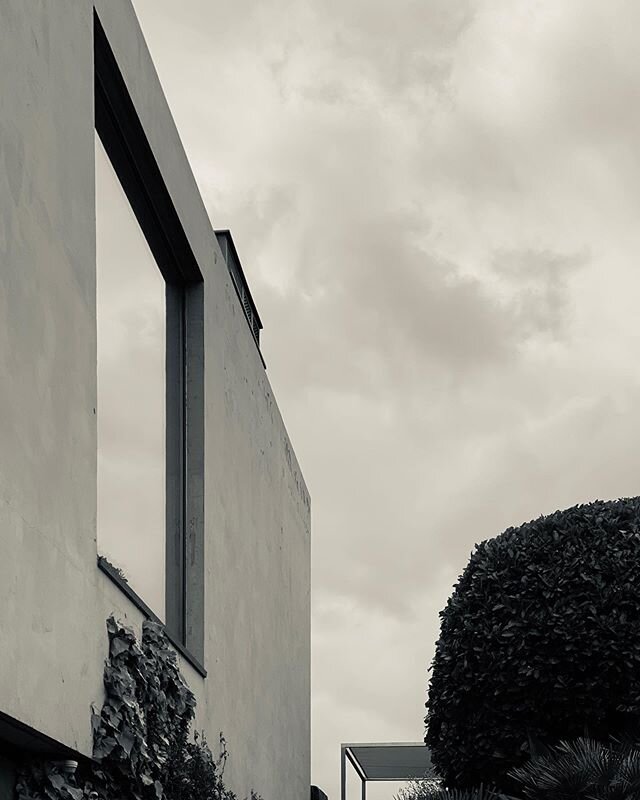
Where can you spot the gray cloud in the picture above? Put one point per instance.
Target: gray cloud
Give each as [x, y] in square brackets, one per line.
[540, 280]
[435, 204]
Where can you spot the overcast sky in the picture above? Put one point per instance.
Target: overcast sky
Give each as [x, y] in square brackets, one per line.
[435, 203]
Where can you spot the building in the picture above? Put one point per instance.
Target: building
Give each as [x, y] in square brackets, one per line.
[234, 556]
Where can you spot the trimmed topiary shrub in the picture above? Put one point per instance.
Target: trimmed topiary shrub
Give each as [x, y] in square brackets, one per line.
[540, 641]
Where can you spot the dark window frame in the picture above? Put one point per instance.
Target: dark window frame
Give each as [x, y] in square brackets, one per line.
[125, 142]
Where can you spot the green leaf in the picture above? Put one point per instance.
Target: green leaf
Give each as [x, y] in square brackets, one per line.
[126, 740]
[56, 780]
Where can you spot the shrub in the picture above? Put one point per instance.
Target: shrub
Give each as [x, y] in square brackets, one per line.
[429, 789]
[581, 770]
[540, 640]
[420, 789]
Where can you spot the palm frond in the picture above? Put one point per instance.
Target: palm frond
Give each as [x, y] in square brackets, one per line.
[583, 769]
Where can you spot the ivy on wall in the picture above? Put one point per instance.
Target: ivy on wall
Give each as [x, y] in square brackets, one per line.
[142, 748]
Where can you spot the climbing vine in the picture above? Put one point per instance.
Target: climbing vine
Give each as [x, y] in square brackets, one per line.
[142, 747]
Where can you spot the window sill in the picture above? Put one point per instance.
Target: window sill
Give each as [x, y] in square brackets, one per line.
[137, 601]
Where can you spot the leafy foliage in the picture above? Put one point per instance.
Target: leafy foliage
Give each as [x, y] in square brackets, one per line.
[581, 770]
[48, 781]
[104, 561]
[420, 789]
[142, 730]
[432, 789]
[198, 775]
[540, 640]
[141, 738]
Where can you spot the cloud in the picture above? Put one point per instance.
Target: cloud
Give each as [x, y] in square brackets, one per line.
[540, 280]
[435, 206]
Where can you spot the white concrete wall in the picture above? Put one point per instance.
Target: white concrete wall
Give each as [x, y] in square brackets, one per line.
[48, 601]
[53, 599]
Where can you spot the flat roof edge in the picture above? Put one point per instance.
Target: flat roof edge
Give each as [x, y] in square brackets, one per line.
[383, 744]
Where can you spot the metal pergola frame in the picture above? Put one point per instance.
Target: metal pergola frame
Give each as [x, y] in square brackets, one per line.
[403, 772]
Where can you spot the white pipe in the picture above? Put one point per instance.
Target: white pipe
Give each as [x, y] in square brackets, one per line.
[68, 767]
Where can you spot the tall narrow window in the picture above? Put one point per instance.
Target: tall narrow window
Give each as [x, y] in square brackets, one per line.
[131, 411]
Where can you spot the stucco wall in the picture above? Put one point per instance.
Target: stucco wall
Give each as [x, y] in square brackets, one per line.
[53, 599]
[47, 369]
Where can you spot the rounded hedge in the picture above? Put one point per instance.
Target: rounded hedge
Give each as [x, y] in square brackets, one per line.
[540, 641]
